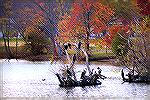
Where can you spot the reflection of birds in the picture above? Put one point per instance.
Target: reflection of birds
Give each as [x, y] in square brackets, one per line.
[43, 79]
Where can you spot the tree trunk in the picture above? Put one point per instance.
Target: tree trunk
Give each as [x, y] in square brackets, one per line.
[147, 38]
[106, 49]
[87, 61]
[16, 45]
[5, 44]
[87, 45]
[54, 49]
[87, 42]
[88, 32]
[8, 43]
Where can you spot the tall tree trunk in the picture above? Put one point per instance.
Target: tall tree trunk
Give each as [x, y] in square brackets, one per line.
[4, 38]
[5, 44]
[87, 45]
[16, 45]
[54, 48]
[147, 38]
[106, 49]
[8, 42]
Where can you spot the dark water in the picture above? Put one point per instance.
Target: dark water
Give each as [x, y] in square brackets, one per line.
[24, 79]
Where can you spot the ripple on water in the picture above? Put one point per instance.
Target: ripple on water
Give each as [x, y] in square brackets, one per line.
[24, 79]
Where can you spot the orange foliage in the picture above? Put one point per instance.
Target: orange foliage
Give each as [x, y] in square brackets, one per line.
[31, 19]
[85, 16]
[113, 30]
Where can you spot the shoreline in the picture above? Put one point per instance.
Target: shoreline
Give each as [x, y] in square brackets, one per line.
[46, 58]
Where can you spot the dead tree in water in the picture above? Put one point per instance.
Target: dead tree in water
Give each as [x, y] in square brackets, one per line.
[68, 77]
[137, 58]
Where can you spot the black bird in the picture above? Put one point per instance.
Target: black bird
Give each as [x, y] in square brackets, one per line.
[74, 57]
[69, 45]
[79, 45]
[65, 46]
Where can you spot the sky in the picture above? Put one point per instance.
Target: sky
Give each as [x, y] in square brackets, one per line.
[1, 8]
[1, 35]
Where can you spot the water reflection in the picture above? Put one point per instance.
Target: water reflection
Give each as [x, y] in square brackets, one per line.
[24, 79]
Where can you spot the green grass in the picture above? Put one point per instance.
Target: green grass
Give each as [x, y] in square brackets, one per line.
[2, 48]
[96, 52]
[94, 56]
[11, 39]
[103, 53]
[98, 55]
[71, 52]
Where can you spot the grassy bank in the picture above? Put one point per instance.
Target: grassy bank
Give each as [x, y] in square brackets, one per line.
[12, 39]
[97, 55]
[24, 53]
[101, 56]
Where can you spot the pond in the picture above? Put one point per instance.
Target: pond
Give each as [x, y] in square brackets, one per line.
[25, 79]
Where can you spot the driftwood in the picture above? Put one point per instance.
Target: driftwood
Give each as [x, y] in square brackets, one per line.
[136, 59]
[87, 81]
[136, 78]
[70, 79]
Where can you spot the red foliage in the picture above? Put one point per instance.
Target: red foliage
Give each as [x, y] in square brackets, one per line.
[86, 16]
[113, 30]
[144, 6]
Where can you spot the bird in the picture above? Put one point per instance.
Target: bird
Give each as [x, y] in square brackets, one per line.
[43, 79]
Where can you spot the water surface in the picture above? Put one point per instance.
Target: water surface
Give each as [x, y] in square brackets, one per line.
[24, 79]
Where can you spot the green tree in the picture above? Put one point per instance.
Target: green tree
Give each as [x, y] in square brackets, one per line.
[6, 28]
[119, 45]
[38, 41]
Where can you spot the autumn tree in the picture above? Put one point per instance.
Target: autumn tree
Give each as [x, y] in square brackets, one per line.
[144, 6]
[6, 27]
[86, 17]
[30, 19]
[135, 15]
[125, 14]
[52, 16]
[38, 14]
[144, 29]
